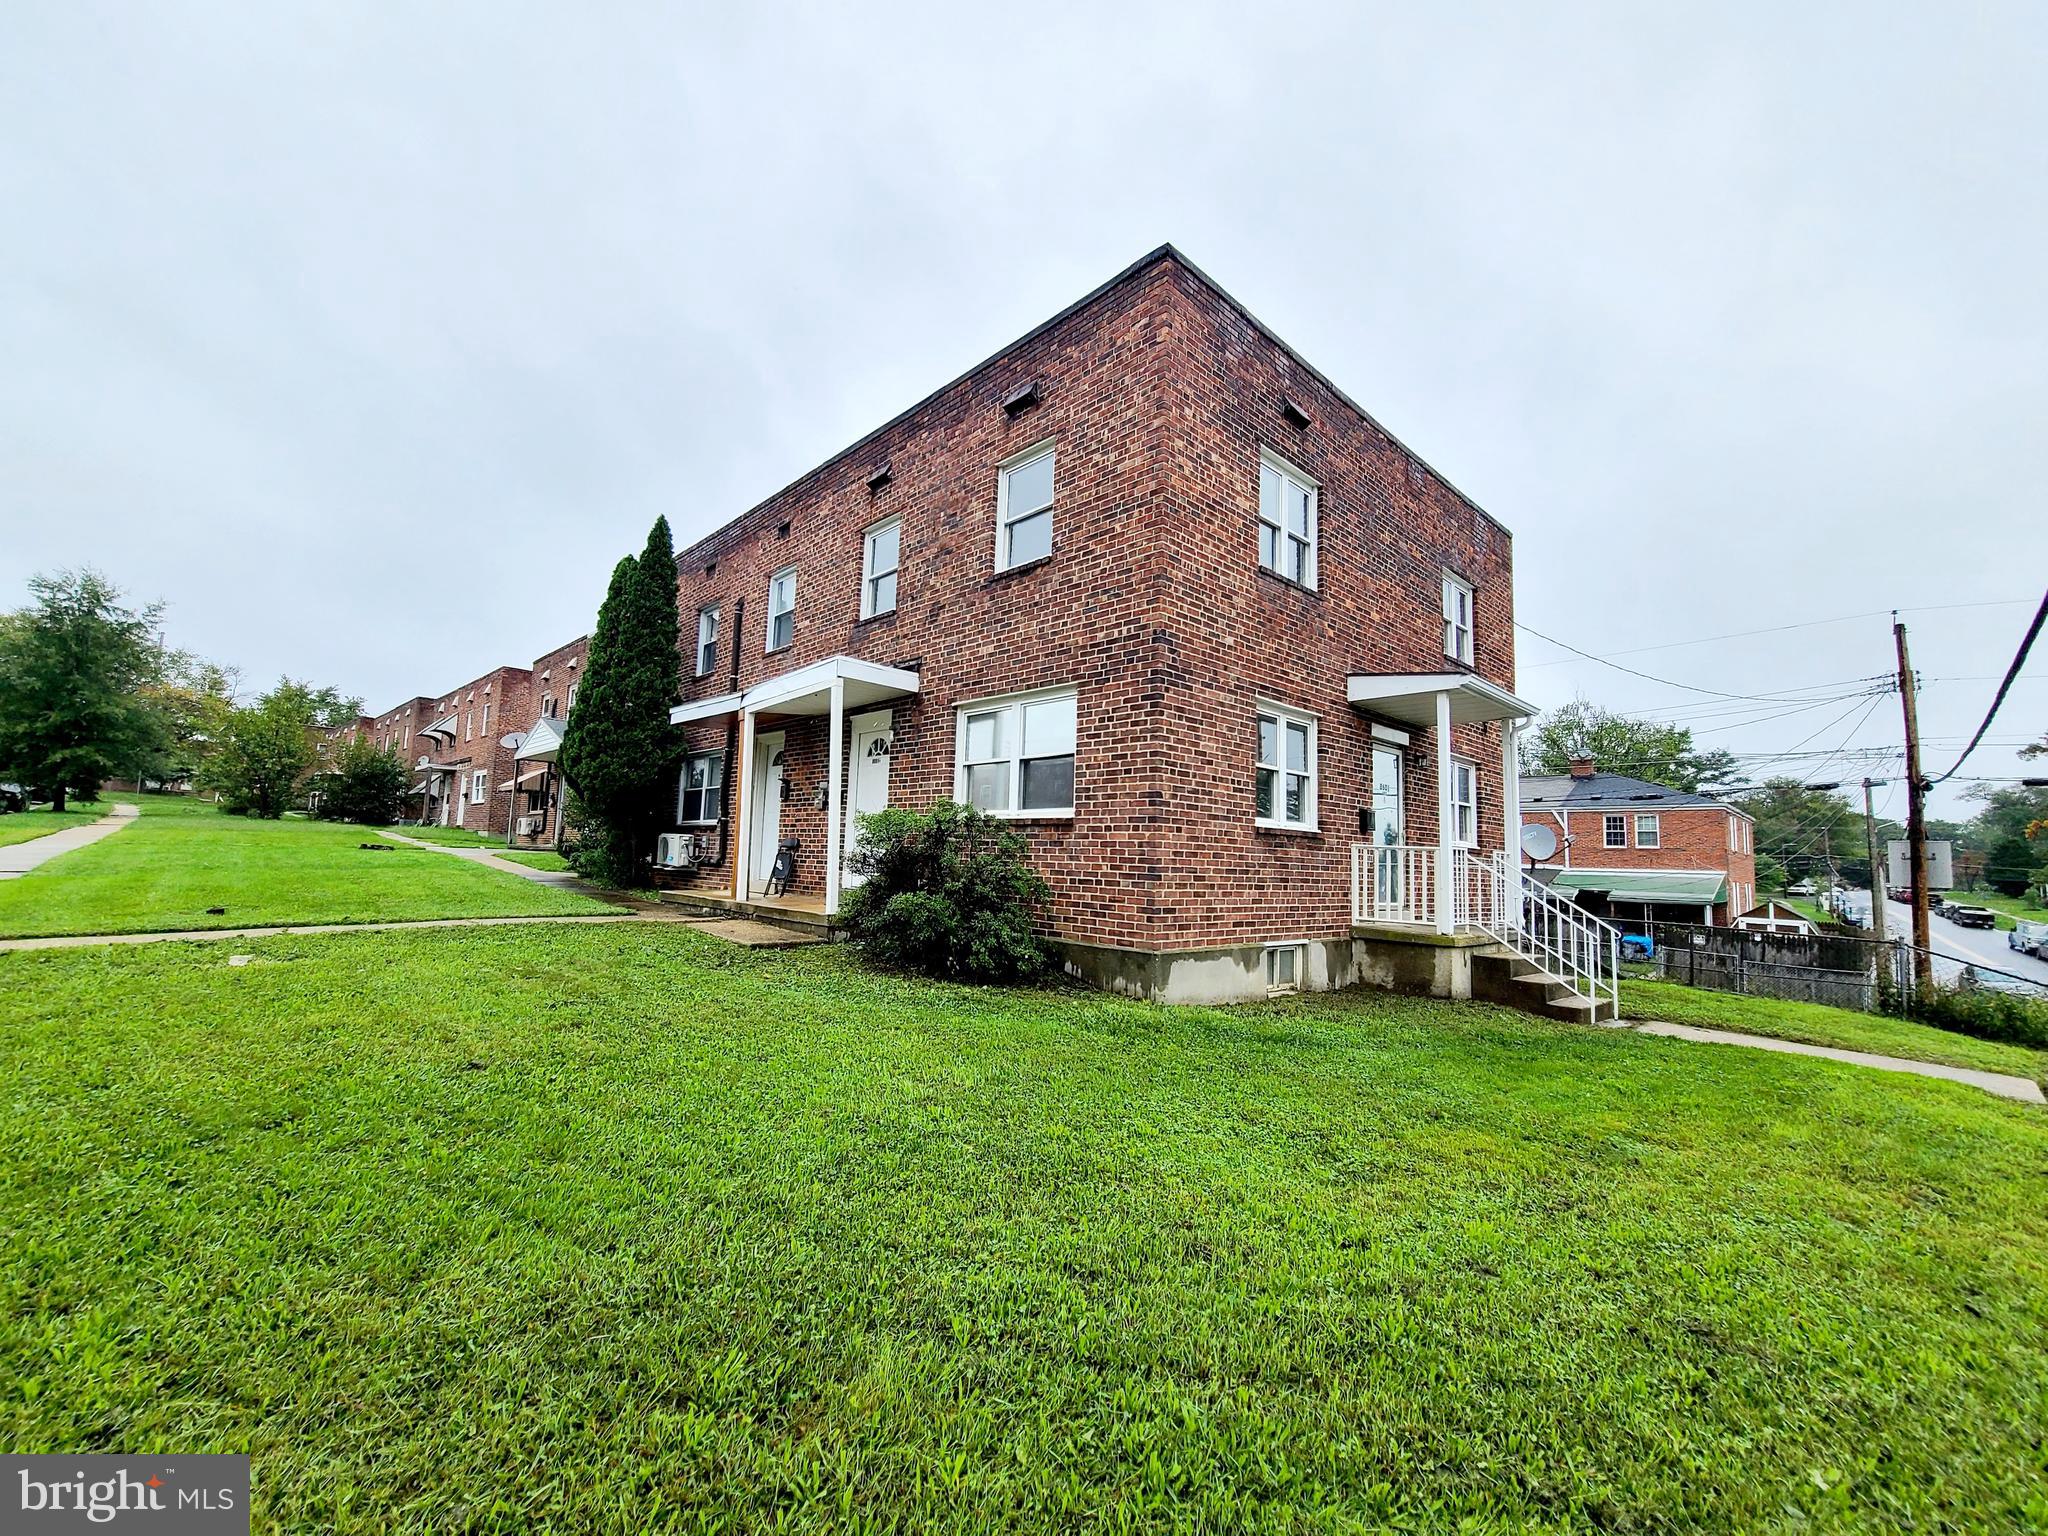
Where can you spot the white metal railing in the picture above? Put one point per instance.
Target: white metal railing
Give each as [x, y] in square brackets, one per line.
[1489, 893]
[1393, 883]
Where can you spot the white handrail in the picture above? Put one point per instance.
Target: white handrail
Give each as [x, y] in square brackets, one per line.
[1568, 942]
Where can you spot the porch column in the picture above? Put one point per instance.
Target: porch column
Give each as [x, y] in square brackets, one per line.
[1446, 819]
[835, 779]
[1511, 817]
[743, 795]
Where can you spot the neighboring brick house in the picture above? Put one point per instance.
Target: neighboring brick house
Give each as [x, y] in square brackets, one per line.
[537, 788]
[1236, 663]
[458, 765]
[1633, 851]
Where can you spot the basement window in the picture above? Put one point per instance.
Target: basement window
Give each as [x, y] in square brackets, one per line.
[1286, 965]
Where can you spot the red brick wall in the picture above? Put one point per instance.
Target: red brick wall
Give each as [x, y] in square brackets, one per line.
[552, 677]
[1694, 838]
[1158, 396]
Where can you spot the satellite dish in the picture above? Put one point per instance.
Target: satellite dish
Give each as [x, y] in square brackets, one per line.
[1538, 841]
[513, 741]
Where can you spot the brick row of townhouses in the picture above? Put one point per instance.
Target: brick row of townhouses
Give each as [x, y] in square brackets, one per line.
[482, 755]
[1237, 664]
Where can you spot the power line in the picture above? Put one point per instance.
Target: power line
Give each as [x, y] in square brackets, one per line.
[1712, 693]
[1779, 629]
[2019, 660]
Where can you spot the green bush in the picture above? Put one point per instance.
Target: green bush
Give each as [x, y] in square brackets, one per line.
[363, 783]
[1987, 1015]
[949, 892]
[596, 849]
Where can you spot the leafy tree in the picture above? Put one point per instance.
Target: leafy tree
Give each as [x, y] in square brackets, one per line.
[1801, 829]
[268, 750]
[191, 701]
[2009, 866]
[949, 892]
[1643, 749]
[72, 669]
[619, 752]
[361, 782]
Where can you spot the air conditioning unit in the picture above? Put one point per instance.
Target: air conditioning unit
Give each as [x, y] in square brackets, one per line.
[679, 850]
[529, 826]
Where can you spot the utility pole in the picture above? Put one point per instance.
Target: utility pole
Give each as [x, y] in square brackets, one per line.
[1876, 870]
[1916, 812]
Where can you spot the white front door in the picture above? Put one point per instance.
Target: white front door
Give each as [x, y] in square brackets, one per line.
[767, 798]
[1387, 832]
[868, 775]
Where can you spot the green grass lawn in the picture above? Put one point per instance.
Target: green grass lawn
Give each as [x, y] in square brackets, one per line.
[163, 873]
[1816, 1024]
[536, 858]
[451, 837]
[623, 1229]
[27, 826]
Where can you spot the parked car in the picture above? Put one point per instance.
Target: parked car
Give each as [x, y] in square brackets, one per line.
[1800, 888]
[1941, 905]
[2029, 938]
[13, 798]
[1970, 917]
[1899, 893]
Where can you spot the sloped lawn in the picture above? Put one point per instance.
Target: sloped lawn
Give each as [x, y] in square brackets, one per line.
[617, 1228]
[164, 873]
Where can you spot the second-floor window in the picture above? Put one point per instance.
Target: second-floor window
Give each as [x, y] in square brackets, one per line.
[1457, 619]
[707, 641]
[1287, 520]
[880, 553]
[781, 608]
[572, 696]
[1614, 832]
[487, 719]
[1024, 508]
[1648, 834]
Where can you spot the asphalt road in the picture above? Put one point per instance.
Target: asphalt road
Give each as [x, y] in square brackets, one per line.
[1957, 945]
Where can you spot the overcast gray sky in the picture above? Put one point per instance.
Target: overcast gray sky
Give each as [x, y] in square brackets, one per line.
[369, 336]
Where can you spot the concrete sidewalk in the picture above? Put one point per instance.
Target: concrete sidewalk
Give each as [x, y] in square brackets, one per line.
[18, 859]
[2023, 1089]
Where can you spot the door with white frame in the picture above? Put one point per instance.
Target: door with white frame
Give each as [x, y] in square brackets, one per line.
[767, 818]
[1387, 830]
[867, 772]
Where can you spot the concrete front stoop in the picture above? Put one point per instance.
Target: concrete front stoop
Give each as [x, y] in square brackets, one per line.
[803, 920]
[1500, 975]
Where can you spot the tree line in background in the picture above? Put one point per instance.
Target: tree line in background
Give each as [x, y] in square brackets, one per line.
[1800, 832]
[90, 692]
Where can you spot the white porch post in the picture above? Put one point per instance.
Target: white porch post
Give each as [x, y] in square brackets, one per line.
[835, 780]
[1511, 817]
[1446, 815]
[743, 796]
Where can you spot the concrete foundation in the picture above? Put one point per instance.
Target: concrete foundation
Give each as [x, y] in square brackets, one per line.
[1407, 960]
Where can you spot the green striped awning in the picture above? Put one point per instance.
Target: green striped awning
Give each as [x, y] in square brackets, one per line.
[1696, 888]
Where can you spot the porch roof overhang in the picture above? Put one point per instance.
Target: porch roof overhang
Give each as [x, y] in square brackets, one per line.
[1685, 887]
[531, 773]
[445, 726]
[1410, 697]
[542, 744]
[806, 691]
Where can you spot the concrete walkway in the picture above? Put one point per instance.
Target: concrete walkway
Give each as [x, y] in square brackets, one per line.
[18, 859]
[84, 940]
[2023, 1089]
[488, 857]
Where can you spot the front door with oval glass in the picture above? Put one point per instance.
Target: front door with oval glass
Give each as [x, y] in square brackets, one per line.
[867, 772]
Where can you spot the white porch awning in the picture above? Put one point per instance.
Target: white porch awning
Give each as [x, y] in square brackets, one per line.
[806, 691]
[532, 773]
[445, 726]
[542, 744]
[1410, 697]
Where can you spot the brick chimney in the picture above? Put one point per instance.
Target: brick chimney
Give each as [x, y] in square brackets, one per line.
[1582, 767]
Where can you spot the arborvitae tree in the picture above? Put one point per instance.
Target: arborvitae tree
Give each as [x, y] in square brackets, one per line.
[72, 671]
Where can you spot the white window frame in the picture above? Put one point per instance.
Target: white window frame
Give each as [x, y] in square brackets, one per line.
[1298, 955]
[1608, 829]
[707, 640]
[774, 613]
[1464, 808]
[1013, 704]
[1283, 716]
[569, 703]
[547, 705]
[487, 720]
[870, 576]
[1459, 638]
[1004, 516]
[1656, 829]
[711, 786]
[1312, 560]
[479, 785]
[1734, 835]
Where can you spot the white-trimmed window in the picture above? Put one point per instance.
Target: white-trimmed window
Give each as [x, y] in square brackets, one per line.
[782, 608]
[1287, 520]
[1284, 775]
[1614, 831]
[880, 552]
[469, 726]
[1464, 803]
[1024, 508]
[1015, 756]
[547, 705]
[1649, 833]
[1286, 965]
[487, 719]
[1457, 618]
[571, 702]
[479, 786]
[1734, 835]
[707, 640]
[697, 795]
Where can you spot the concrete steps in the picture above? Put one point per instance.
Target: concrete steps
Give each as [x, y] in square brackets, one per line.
[1502, 976]
[798, 920]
